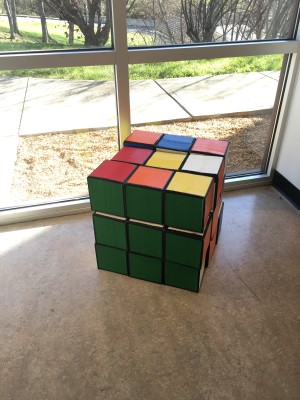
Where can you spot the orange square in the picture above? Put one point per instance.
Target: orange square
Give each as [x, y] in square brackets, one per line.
[151, 177]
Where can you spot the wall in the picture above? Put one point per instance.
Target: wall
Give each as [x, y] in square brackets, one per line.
[288, 163]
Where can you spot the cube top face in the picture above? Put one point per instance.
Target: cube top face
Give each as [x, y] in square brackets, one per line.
[164, 159]
[150, 177]
[143, 137]
[133, 155]
[197, 185]
[175, 142]
[113, 170]
[203, 164]
[210, 146]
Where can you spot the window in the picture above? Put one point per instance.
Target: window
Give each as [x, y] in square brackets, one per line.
[135, 53]
[179, 22]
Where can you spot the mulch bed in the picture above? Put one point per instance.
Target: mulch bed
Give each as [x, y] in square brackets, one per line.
[56, 165]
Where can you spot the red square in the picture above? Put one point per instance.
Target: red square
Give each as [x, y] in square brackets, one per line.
[211, 146]
[144, 137]
[133, 155]
[113, 171]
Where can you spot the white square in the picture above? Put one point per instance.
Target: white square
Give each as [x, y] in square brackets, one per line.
[203, 164]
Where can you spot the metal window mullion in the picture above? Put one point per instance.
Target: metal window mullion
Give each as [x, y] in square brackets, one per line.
[119, 23]
[56, 59]
[224, 50]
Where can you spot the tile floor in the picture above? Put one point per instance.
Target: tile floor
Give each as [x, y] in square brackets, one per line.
[69, 331]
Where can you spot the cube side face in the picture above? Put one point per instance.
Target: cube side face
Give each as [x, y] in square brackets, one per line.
[184, 212]
[220, 219]
[221, 177]
[111, 259]
[209, 202]
[145, 240]
[185, 250]
[144, 204]
[212, 247]
[106, 196]
[206, 242]
[110, 232]
[181, 276]
[215, 219]
[147, 268]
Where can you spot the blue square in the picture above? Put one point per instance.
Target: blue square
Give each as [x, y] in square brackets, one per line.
[176, 142]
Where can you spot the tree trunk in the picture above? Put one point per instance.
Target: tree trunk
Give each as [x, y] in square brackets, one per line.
[71, 33]
[41, 11]
[10, 20]
[14, 17]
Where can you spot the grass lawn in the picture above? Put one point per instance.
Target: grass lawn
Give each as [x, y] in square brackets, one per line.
[31, 40]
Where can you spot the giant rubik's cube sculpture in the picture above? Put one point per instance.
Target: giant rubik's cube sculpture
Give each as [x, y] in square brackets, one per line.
[158, 207]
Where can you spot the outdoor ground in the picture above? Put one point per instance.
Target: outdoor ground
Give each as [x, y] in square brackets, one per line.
[56, 165]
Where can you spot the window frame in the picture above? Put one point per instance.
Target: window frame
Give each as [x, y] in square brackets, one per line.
[120, 56]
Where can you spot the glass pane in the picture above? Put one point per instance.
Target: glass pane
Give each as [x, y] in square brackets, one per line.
[173, 22]
[230, 99]
[56, 128]
[54, 24]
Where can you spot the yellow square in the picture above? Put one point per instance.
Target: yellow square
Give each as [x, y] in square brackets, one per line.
[168, 160]
[183, 182]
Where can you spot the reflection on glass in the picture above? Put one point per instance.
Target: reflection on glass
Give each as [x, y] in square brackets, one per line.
[230, 99]
[54, 132]
[54, 24]
[170, 22]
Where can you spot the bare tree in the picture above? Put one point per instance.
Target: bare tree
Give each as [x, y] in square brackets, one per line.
[93, 17]
[10, 19]
[210, 20]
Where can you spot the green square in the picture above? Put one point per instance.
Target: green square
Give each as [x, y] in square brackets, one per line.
[111, 259]
[147, 268]
[110, 232]
[184, 212]
[184, 249]
[144, 204]
[106, 196]
[182, 276]
[145, 240]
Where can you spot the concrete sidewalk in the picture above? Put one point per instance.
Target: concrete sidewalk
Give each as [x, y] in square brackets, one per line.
[36, 106]
[31, 106]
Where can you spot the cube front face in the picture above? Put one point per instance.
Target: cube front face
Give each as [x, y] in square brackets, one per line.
[184, 212]
[137, 204]
[111, 259]
[106, 196]
[182, 276]
[145, 240]
[105, 186]
[188, 201]
[183, 249]
[110, 232]
[144, 194]
[144, 267]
